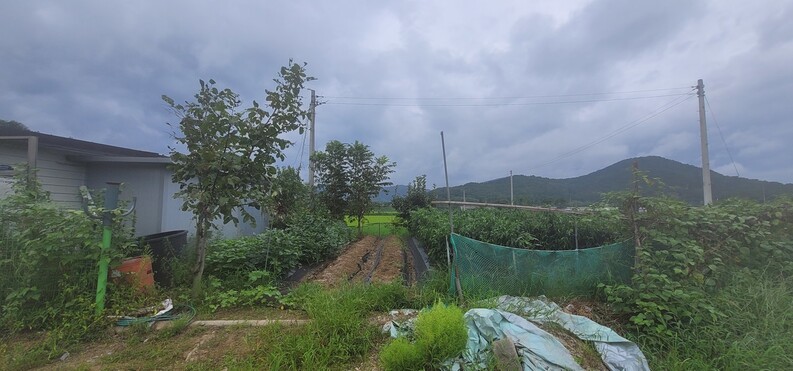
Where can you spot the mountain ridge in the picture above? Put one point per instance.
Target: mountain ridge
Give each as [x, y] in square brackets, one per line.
[682, 181]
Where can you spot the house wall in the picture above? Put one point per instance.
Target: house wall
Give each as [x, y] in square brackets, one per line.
[142, 181]
[59, 176]
[176, 219]
[157, 209]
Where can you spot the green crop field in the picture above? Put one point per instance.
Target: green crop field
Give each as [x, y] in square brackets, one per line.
[381, 224]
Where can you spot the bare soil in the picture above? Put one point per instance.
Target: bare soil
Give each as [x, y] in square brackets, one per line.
[369, 259]
[347, 264]
[391, 261]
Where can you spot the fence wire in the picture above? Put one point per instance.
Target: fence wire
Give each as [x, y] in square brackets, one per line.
[487, 270]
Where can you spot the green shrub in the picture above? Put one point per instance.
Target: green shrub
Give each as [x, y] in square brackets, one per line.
[275, 251]
[689, 253]
[48, 266]
[318, 236]
[440, 333]
[309, 238]
[400, 354]
[513, 228]
[257, 290]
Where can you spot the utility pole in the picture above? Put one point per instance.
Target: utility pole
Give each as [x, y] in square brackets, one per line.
[312, 115]
[511, 194]
[703, 136]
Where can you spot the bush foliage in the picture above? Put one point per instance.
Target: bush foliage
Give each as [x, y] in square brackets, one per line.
[687, 254]
[48, 265]
[309, 238]
[513, 228]
[440, 334]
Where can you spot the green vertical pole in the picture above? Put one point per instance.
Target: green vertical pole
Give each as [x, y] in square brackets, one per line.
[111, 202]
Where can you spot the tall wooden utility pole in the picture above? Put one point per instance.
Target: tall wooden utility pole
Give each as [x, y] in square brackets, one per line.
[312, 115]
[703, 136]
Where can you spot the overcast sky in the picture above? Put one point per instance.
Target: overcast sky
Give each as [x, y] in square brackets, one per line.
[549, 88]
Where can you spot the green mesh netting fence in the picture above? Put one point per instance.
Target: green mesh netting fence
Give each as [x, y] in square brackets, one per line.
[486, 270]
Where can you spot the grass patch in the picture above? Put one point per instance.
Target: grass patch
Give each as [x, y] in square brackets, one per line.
[378, 224]
[24, 352]
[338, 334]
[440, 333]
[756, 332]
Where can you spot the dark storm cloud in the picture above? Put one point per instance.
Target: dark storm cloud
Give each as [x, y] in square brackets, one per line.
[96, 71]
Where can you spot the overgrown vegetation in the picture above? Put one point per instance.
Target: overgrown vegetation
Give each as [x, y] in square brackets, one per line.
[48, 258]
[439, 334]
[688, 254]
[337, 334]
[230, 154]
[416, 198]
[245, 271]
[514, 228]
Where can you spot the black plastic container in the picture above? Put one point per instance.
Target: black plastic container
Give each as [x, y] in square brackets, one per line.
[165, 247]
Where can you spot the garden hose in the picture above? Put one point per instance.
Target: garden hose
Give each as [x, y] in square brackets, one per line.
[177, 313]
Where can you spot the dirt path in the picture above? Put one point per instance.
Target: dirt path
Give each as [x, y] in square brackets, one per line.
[369, 260]
[347, 265]
[391, 261]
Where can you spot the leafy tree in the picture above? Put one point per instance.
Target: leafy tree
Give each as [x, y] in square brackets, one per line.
[331, 169]
[4, 124]
[417, 197]
[231, 154]
[288, 195]
[367, 176]
[349, 175]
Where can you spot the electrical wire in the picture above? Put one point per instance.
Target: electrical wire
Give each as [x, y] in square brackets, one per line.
[729, 153]
[496, 98]
[622, 129]
[502, 104]
[302, 150]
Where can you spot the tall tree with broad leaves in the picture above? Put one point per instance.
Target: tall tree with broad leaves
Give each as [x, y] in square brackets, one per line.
[416, 198]
[331, 170]
[231, 153]
[349, 175]
[288, 195]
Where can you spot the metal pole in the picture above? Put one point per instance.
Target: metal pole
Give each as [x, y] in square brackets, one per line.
[111, 203]
[451, 222]
[511, 195]
[703, 136]
[448, 193]
[312, 118]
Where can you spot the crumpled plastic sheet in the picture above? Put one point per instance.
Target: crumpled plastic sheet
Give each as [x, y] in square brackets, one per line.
[538, 349]
[616, 352]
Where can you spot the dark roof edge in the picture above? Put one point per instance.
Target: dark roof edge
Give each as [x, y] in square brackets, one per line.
[119, 159]
[77, 145]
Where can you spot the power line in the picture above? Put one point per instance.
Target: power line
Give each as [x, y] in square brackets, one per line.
[302, 150]
[497, 98]
[502, 104]
[622, 129]
[729, 153]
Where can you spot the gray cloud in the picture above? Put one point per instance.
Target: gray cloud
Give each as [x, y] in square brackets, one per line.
[96, 71]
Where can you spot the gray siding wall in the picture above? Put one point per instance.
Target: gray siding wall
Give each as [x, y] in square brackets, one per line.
[60, 177]
[142, 181]
[176, 219]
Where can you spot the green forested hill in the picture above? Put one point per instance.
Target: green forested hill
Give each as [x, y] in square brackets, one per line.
[681, 181]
